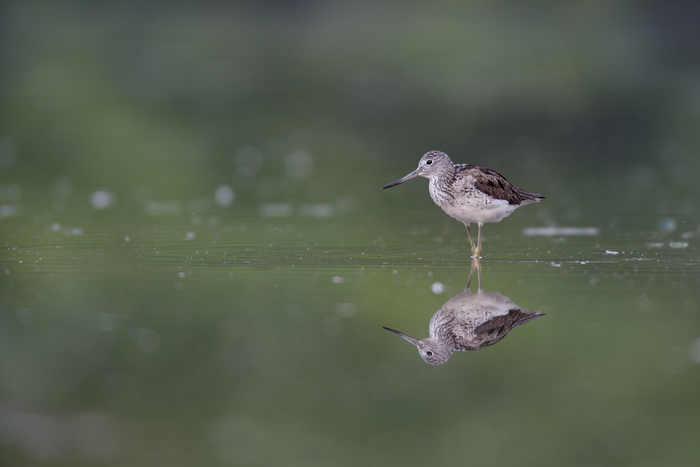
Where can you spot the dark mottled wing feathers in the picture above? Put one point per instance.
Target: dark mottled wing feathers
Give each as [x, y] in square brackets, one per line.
[495, 185]
[496, 328]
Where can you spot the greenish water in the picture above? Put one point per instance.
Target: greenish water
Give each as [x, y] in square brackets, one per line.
[265, 349]
[198, 259]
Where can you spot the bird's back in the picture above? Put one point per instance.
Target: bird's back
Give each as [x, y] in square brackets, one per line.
[493, 184]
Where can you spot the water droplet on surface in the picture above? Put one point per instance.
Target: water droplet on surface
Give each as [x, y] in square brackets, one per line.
[667, 225]
[276, 210]
[105, 321]
[102, 199]
[437, 288]
[345, 310]
[695, 350]
[224, 196]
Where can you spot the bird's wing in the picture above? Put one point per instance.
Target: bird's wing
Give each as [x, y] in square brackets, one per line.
[495, 185]
[496, 328]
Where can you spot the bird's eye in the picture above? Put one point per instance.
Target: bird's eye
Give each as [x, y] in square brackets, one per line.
[428, 162]
[429, 353]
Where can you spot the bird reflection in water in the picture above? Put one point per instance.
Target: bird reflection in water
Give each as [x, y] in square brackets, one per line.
[469, 321]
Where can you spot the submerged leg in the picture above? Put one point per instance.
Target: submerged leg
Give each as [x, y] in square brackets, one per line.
[471, 240]
[477, 251]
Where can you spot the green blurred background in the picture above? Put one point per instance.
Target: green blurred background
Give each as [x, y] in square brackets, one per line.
[199, 258]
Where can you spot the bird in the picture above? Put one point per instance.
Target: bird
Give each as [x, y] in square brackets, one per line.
[469, 193]
[469, 321]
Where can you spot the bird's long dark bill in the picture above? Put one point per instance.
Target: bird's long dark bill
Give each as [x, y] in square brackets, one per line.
[413, 174]
[400, 334]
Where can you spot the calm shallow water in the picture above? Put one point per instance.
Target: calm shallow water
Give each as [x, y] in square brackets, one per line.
[209, 349]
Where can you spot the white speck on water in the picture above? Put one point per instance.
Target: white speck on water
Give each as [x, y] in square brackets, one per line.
[695, 350]
[611, 252]
[437, 288]
[102, 199]
[555, 265]
[298, 164]
[224, 195]
[667, 225]
[127, 239]
[20, 262]
[566, 231]
[644, 303]
[394, 272]
[105, 322]
[56, 227]
[656, 245]
[319, 210]
[159, 208]
[190, 235]
[678, 245]
[10, 210]
[276, 210]
[181, 274]
[338, 279]
[345, 310]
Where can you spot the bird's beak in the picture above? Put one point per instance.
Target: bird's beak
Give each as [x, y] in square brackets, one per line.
[413, 174]
[400, 334]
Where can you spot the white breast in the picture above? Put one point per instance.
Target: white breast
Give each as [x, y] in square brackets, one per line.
[469, 204]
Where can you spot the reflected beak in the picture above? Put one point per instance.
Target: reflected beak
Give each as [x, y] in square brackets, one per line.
[413, 174]
[400, 334]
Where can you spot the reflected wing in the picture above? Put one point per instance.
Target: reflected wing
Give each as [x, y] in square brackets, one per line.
[495, 329]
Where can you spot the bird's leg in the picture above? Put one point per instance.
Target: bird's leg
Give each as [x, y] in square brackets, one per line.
[476, 264]
[478, 273]
[471, 273]
[471, 240]
[477, 250]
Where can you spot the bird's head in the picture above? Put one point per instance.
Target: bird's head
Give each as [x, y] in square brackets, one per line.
[431, 350]
[432, 164]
